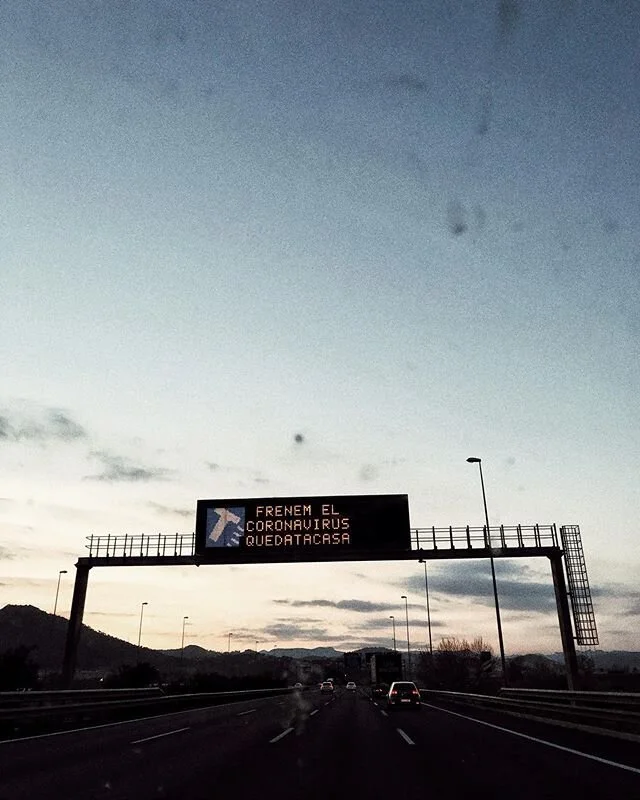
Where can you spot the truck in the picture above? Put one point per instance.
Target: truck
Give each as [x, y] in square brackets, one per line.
[385, 668]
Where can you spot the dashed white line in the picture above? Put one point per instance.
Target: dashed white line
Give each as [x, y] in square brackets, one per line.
[384, 713]
[407, 739]
[315, 711]
[159, 736]
[243, 713]
[280, 735]
[540, 741]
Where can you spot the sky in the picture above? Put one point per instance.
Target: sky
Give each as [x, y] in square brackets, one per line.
[319, 248]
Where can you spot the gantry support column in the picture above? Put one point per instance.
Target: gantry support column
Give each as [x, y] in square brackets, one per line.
[564, 620]
[75, 624]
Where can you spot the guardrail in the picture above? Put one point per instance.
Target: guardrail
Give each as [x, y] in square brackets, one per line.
[58, 711]
[610, 713]
[61, 696]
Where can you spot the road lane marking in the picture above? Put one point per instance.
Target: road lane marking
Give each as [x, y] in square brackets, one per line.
[384, 713]
[250, 711]
[280, 736]
[407, 739]
[160, 735]
[539, 741]
[115, 724]
[315, 711]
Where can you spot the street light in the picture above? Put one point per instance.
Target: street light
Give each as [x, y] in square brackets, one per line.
[184, 622]
[393, 620]
[55, 605]
[406, 611]
[505, 680]
[140, 628]
[256, 645]
[426, 591]
[229, 643]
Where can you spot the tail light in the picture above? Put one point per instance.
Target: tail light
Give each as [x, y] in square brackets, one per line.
[416, 692]
[394, 693]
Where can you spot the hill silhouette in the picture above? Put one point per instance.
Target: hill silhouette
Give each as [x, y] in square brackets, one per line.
[44, 634]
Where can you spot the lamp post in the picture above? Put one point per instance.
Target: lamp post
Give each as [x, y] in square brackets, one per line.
[393, 620]
[406, 611]
[184, 622]
[55, 605]
[426, 591]
[505, 680]
[256, 645]
[140, 628]
[229, 643]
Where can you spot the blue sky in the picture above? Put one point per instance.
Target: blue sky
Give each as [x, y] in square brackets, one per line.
[407, 232]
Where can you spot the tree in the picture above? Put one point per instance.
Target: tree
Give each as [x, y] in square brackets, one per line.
[460, 665]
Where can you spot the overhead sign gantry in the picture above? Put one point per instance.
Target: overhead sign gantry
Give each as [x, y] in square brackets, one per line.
[338, 528]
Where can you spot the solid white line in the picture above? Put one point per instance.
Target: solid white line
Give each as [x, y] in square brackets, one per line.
[539, 741]
[280, 736]
[407, 739]
[160, 735]
[315, 711]
[250, 711]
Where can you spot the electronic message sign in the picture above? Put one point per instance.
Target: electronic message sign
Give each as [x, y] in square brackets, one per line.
[281, 529]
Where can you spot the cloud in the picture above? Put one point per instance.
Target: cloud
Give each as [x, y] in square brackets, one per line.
[517, 587]
[119, 469]
[359, 606]
[174, 512]
[41, 425]
[386, 624]
[288, 630]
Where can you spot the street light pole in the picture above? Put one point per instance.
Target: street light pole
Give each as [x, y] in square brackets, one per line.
[503, 660]
[55, 605]
[229, 643]
[393, 620]
[406, 611]
[184, 622]
[426, 591]
[140, 628]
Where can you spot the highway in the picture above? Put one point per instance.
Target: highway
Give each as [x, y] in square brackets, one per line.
[308, 745]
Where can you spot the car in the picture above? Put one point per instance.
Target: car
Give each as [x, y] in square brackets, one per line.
[403, 694]
[326, 687]
[297, 685]
[351, 687]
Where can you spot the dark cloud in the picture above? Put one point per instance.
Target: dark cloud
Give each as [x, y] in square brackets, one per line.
[359, 606]
[386, 624]
[518, 587]
[119, 469]
[41, 425]
[174, 512]
[290, 630]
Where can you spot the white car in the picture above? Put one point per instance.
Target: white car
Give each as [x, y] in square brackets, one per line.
[351, 687]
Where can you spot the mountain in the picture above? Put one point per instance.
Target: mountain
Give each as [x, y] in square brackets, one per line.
[45, 635]
[306, 652]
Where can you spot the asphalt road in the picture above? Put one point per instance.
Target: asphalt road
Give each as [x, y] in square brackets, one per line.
[308, 746]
